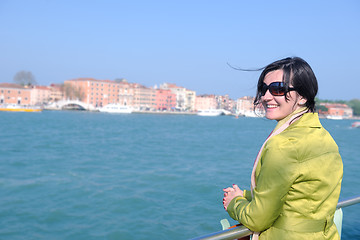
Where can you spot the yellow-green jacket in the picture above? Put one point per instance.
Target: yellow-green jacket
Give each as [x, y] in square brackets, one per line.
[298, 181]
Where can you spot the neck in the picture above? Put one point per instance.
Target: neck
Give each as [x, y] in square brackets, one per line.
[288, 117]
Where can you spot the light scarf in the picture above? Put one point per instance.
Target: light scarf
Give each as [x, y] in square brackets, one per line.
[281, 126]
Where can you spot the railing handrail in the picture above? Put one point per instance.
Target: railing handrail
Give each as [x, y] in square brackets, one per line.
[242, 231]
[348, 202]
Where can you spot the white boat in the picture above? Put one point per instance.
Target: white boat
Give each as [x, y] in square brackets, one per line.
[116, 108]
[334, 117]
[210, 112]
[250, 114]
[355, 125]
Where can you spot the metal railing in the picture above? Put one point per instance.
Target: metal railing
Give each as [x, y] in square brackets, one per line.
[348, 202]
[242, 231]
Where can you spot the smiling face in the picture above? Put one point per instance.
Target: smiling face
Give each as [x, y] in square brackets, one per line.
[277, 107]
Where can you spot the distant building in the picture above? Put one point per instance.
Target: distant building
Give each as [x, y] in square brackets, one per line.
[56, 92]
[165, 99]
[126, 93]
[225, 102]
[11, 93]
[190, 97]
[144, 97]
[99, 93]
[185, 99]
[204, 102]
[244, 105]
[40, 95]
[337, 110]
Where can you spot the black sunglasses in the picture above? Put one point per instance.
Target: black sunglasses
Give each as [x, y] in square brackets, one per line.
[275, 88]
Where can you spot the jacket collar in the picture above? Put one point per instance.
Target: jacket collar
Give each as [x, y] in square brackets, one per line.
[308, 120]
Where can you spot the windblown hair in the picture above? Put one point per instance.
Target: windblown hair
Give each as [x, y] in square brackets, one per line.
[296, 72]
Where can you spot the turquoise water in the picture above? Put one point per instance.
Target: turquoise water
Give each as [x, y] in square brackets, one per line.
[81, 175]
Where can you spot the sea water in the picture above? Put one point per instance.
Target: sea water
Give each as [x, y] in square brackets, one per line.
[82, 175]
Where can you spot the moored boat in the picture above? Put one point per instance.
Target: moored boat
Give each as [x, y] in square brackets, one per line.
[210, 112]
[334, 117]
[19, 108]
[250, 114]
[116, 108]
[355, 125]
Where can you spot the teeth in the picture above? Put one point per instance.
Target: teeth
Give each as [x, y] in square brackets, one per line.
[271, 106]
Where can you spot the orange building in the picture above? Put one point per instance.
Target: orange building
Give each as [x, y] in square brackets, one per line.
[14, 94]
[337, 110]
[165, 99]
[99, 92]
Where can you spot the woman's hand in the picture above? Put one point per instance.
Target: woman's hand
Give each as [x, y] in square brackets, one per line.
[230, 193]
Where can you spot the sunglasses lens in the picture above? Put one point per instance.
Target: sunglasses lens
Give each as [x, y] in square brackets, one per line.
[275, 88]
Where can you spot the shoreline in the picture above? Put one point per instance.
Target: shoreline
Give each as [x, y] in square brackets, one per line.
[187, 113]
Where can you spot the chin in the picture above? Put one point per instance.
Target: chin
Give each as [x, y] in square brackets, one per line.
[271, 116]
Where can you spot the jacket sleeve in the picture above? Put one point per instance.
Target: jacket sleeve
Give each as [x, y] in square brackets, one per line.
[277, 173]
[247, 195]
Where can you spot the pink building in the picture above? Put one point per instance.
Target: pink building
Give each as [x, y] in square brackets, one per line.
[165, 99]
[99, 93]
[185, 98]
[40, 95]
[204, 102]
[11, 93]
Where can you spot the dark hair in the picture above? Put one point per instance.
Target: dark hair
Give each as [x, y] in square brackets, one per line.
[297, 72]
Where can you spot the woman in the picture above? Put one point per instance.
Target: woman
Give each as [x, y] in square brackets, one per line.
[296, 179]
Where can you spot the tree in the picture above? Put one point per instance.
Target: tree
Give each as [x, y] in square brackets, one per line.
[355, 105]
[321, 108]
[72, 92]
[25, 78]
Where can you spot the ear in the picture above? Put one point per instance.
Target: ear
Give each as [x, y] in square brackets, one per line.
[302, 101]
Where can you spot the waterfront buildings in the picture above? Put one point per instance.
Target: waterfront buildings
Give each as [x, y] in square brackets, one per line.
[56, 92]
[165, 99]
[39, 95]
[96, 93]
[144, 97]
[244, 105]
[99, 93]
[185, 99]
[11, 93]
[225, 102]
[205, 101]
[336, 110]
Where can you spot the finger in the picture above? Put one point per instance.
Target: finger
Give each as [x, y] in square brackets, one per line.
[236, 187]
[229, 189]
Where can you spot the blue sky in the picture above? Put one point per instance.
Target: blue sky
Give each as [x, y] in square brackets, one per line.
[187, 42]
